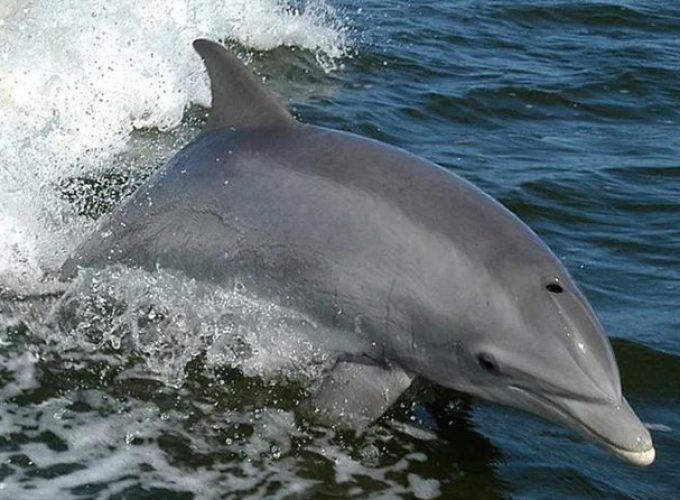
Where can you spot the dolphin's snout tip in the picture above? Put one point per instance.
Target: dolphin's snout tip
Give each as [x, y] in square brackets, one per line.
[614, 427]
[629, 439]
[641, 458]
[640, 450]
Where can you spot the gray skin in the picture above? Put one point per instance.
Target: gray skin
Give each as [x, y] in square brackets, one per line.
[416, 271]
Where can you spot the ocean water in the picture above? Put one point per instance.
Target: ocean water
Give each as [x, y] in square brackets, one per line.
[138, 385]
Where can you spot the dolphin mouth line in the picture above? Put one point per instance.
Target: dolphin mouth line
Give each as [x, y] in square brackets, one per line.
[637, 457]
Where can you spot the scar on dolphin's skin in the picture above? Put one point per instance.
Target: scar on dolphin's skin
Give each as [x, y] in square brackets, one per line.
[324, 221]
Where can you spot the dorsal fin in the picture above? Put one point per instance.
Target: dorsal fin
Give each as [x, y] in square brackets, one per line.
[238, 98]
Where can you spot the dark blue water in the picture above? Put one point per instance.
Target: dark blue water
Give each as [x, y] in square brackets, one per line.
[569, 114]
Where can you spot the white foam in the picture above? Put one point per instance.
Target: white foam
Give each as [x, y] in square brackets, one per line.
[103, 448]
[116, 443]
[424, 488]
[77, 78]
[74, 438]
[349, 469]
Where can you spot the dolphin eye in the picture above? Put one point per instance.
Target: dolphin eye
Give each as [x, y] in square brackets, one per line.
[554, 288]
[488, 362]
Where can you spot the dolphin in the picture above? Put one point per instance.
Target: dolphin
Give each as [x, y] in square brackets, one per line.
[415, 271]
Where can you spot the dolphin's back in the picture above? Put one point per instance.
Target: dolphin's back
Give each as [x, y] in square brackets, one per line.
[288, 210]
[261, 192]
[324, 191]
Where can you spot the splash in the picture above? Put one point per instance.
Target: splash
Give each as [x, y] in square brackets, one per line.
[78, 79]
[93, 97]
[157, 324]
[130, 374]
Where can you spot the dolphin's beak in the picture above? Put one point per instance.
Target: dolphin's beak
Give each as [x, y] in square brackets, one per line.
[613, 426]
[616, 428]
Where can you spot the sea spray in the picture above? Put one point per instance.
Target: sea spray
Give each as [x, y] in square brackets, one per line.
[79, 79]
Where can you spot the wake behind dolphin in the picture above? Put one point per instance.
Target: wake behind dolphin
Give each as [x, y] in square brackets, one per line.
[416, 271]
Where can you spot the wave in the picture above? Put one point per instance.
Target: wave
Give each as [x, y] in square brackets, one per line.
[79, 79]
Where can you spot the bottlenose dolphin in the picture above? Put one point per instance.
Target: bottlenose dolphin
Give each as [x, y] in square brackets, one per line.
[416, 271]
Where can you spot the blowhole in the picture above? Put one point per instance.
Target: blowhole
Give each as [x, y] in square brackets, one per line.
[554, 288]
[488, 362]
